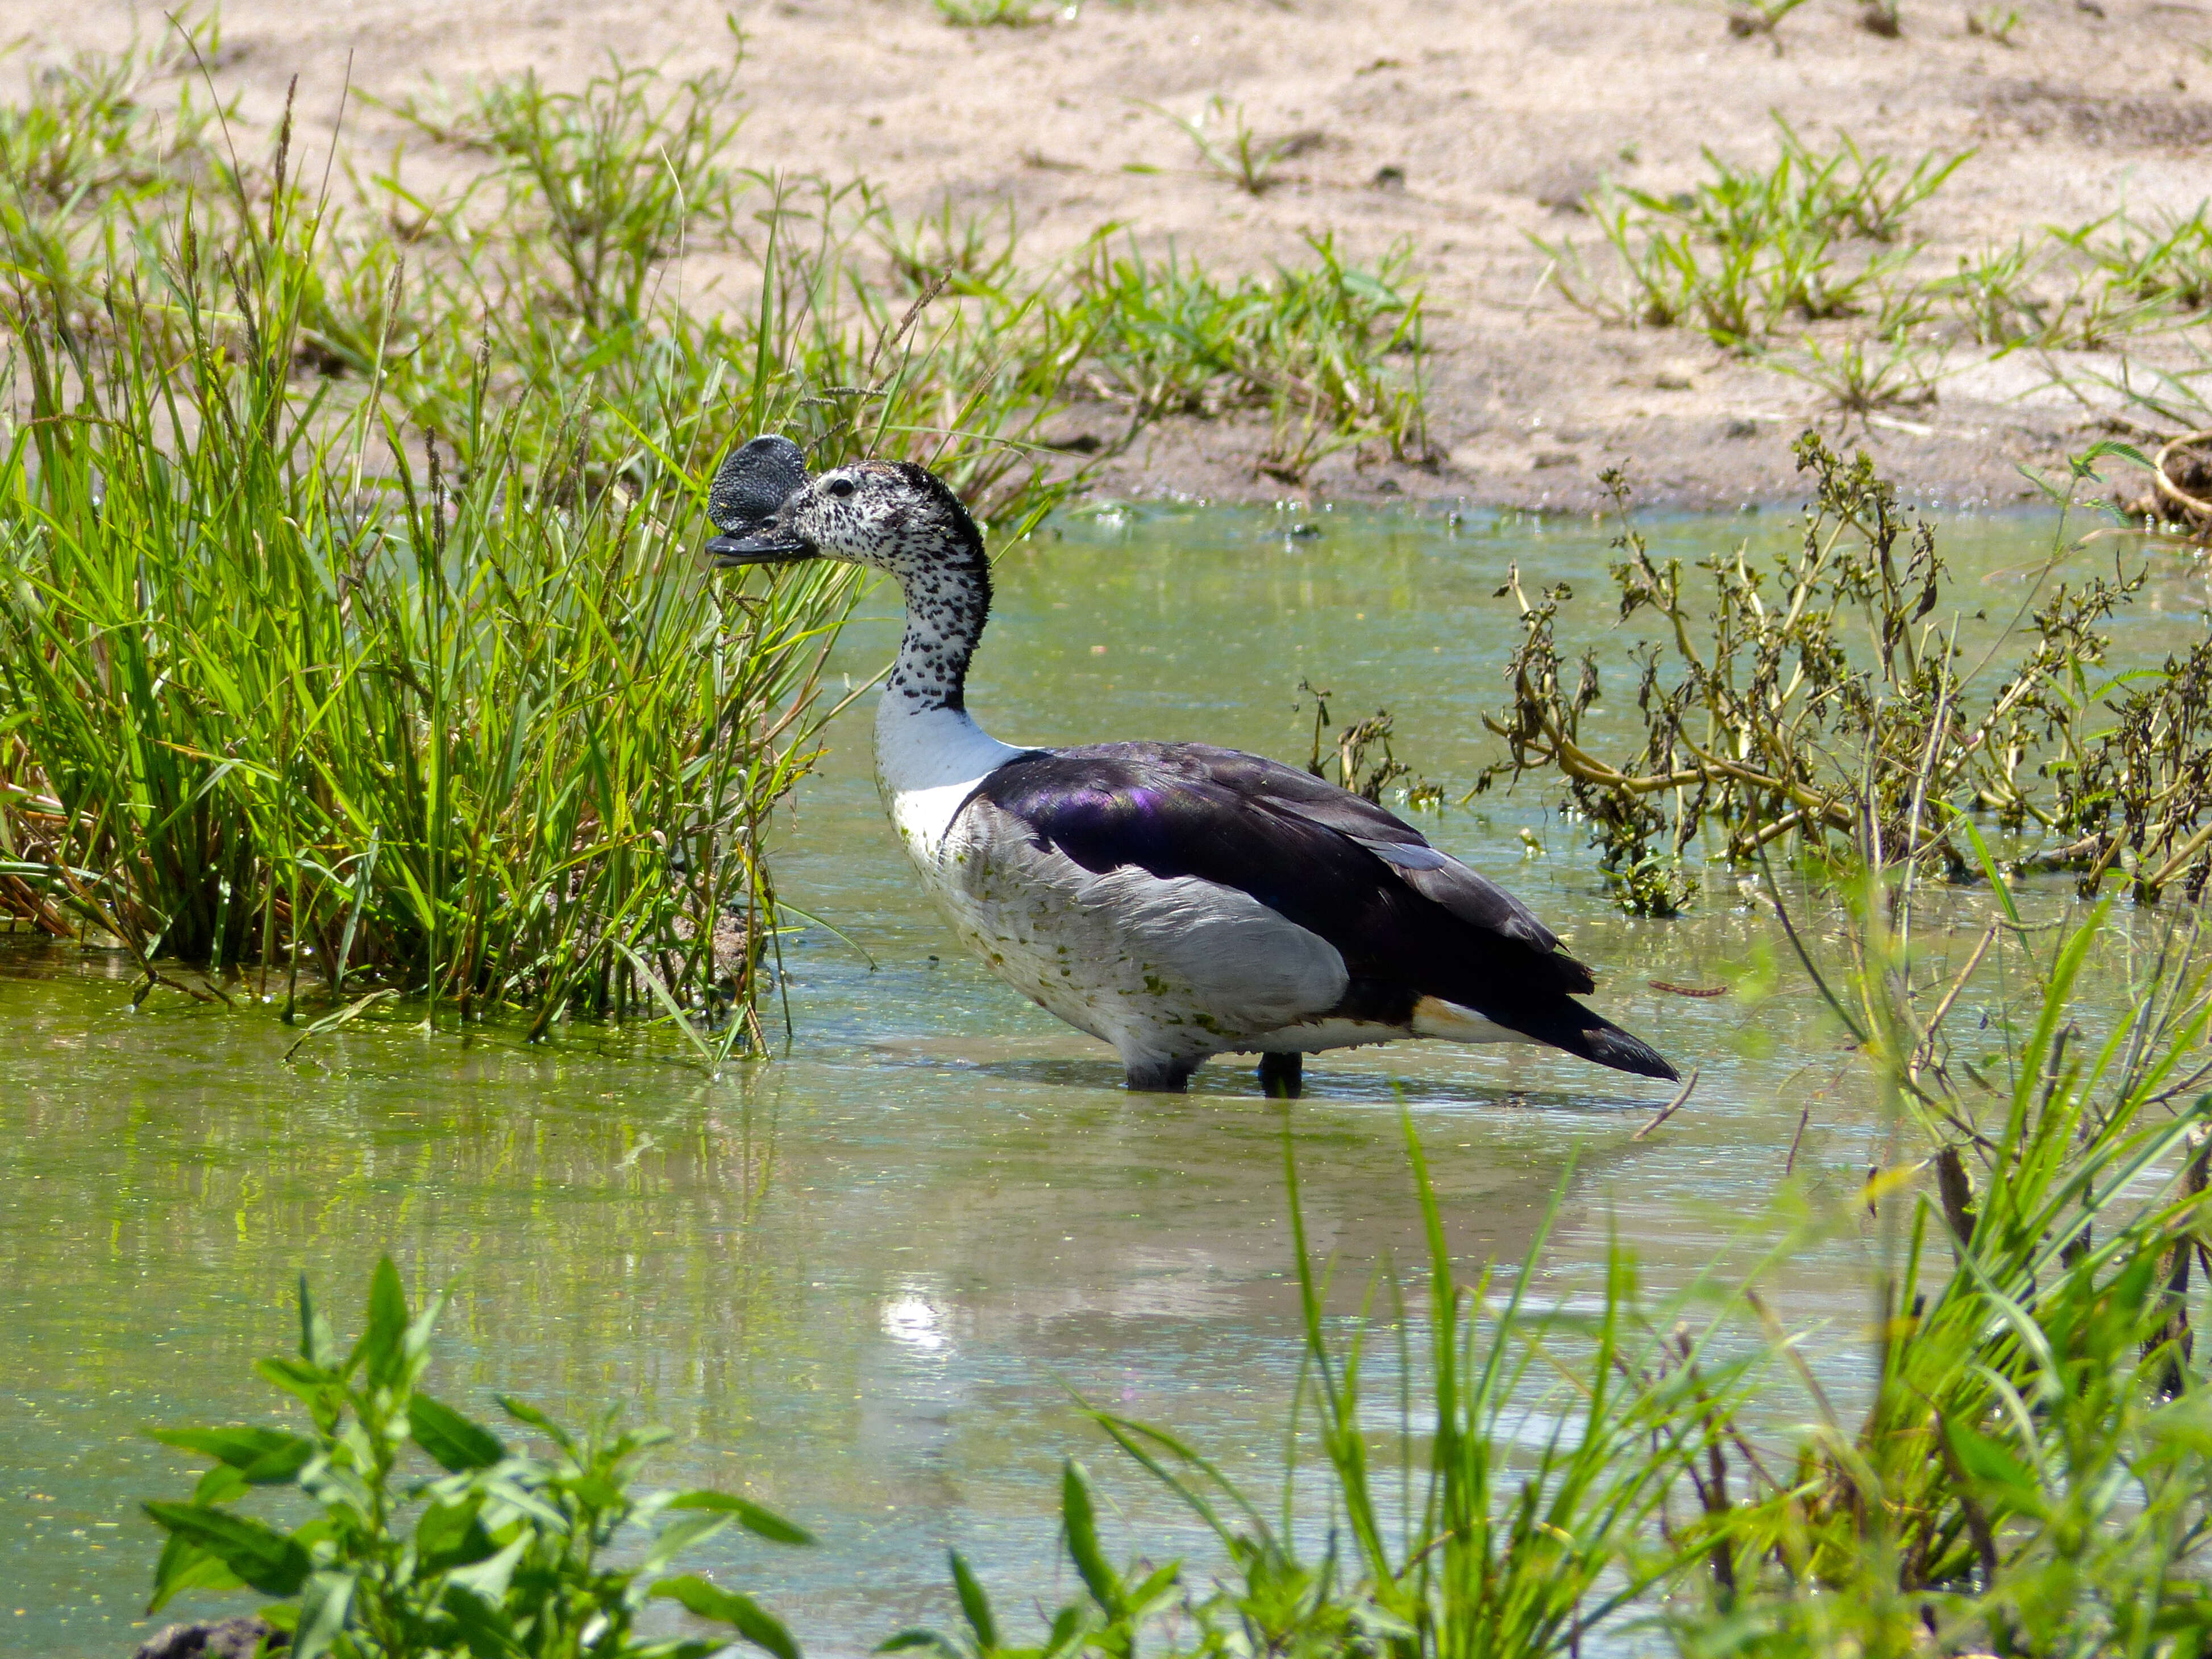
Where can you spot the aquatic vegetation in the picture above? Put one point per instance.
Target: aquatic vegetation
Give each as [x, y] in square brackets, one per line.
[1520, 1512]
[2028, 1473]
[1764, 725]
[1358, 756]
[431, 1534]
[2007, 1455]
[2024, 1469]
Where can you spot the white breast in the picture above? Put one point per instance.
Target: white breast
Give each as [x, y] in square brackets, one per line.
[927, 761]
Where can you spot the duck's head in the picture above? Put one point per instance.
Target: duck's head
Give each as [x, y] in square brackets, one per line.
[890, 515]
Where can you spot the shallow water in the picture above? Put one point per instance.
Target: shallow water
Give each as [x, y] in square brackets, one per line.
[862, 1281]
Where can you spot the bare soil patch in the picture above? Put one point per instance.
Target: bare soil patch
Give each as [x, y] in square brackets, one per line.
[1466, 126]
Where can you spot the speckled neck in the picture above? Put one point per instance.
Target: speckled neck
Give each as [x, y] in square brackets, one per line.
[946, 606]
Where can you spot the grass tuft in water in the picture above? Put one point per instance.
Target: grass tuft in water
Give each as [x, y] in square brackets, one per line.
[307, 691]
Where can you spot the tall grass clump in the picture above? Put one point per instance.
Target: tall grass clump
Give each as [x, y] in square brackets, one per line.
[475, 730]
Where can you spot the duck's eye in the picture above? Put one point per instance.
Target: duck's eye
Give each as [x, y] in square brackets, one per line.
[840, 488]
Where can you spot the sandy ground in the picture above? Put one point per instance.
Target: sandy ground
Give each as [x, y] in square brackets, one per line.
[1464, 124]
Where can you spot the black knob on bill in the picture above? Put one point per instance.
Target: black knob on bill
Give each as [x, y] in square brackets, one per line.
[755, 478]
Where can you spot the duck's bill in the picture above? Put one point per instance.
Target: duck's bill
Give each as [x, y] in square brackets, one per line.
[759, 547]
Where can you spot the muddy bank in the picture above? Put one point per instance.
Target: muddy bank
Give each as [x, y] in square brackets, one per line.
[1466, 125]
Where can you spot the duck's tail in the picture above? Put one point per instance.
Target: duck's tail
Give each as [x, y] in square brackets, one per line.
[1565, 1024]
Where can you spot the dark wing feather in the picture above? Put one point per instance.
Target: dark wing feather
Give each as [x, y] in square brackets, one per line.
[1436, 876]
[1401, 914]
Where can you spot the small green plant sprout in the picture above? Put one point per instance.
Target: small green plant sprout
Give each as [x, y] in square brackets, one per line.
[1359, 755]
[2167, 265]
[1122, 1602]
[430, 1535]
[1865, 377]
[1997, 23]
[973, 251]
[1748, 18]
[1241, 157]
[1993, 293]
[997, 14]
[2073, 289]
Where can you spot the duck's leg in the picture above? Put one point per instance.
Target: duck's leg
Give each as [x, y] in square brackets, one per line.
[1282, 1076]
[1151, 1076]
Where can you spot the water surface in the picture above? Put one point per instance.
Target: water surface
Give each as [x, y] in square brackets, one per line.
[863, 1280]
